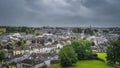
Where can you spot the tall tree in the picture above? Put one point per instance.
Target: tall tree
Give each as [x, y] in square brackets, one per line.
[113, 52]
[67, 56]
[82, 48]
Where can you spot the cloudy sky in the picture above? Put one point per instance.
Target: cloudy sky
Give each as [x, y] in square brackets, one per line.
[102, 13]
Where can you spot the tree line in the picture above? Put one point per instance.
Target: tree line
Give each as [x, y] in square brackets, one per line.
[18, 29]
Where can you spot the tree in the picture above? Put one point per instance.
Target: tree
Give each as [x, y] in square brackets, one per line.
[1, 47]
[82, 48]
[42, 41]
[113, 52]
[77, 30]
[95, 30]
[2, 56]
[21, 43]
[2, 30]
[67, 56]
[106, 31]
[28, 30]
[89, 31]
[37, 34]
[55, 42]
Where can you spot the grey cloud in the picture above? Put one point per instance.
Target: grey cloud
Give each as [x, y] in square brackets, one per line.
[60, 12]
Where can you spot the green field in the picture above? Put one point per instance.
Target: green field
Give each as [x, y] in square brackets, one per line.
[86, 64]
[91, 64]
[102, 56]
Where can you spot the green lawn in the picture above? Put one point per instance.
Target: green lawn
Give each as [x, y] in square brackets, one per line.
[91, 64]
[86, 64]
[102, 56]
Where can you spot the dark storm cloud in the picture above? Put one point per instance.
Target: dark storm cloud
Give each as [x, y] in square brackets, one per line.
[60, 12]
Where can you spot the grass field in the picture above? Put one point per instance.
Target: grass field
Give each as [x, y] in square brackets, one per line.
[91, 64]
[86, 64]
[102, 56]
